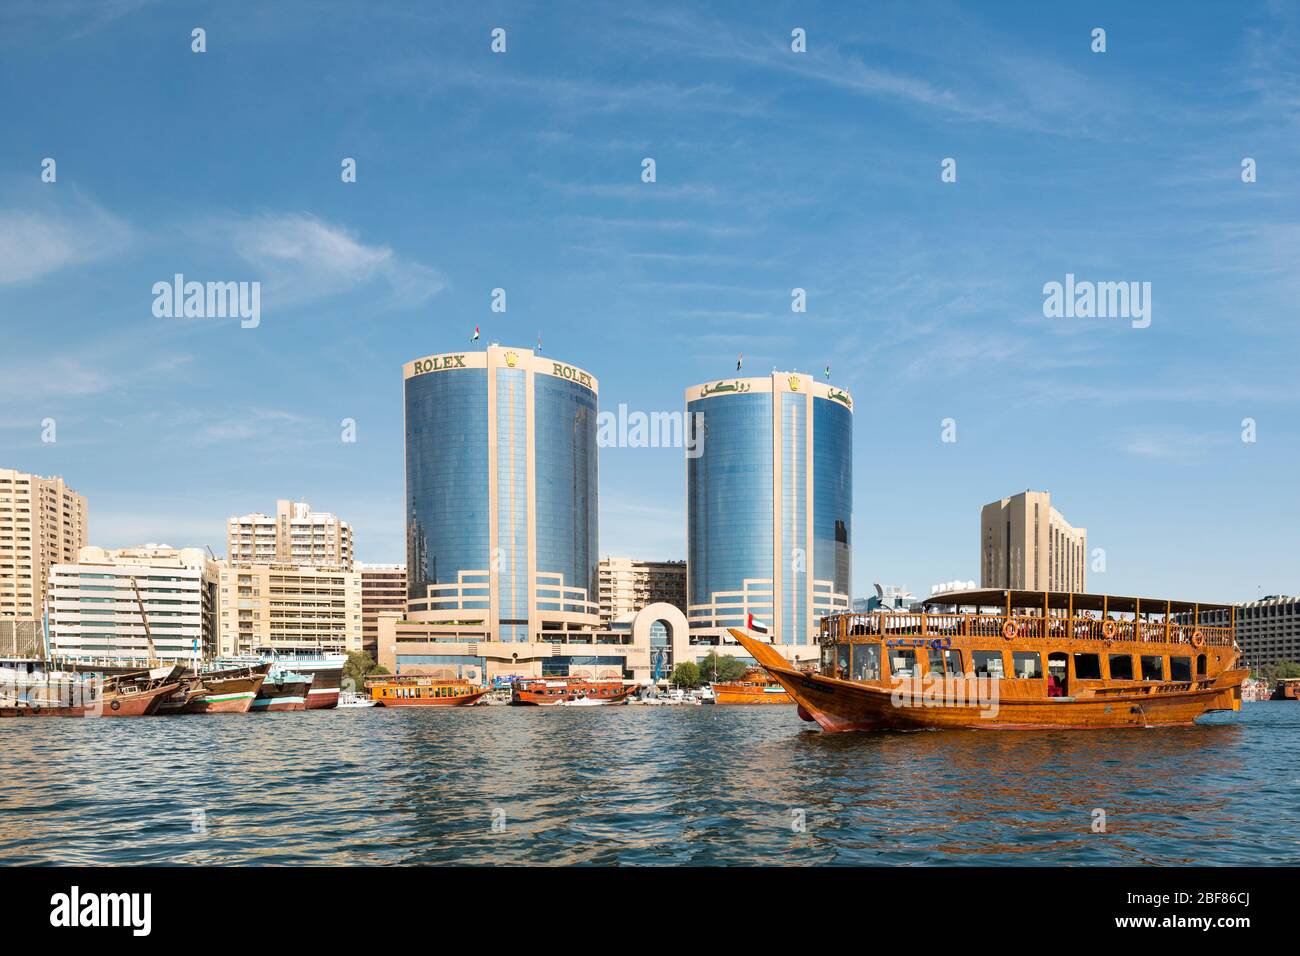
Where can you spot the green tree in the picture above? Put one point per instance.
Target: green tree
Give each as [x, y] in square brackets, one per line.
[721, 668]
[359, 666]
[1281, 669]
[686, 674]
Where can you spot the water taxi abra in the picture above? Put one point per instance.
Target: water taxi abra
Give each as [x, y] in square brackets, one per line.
[1016, 660]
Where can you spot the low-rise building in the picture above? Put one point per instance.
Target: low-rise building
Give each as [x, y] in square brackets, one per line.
[280, 607]
[134, 605]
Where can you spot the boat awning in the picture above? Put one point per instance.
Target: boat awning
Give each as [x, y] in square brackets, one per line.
[1061, 600]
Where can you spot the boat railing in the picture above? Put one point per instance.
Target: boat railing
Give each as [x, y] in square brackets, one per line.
[891, 624]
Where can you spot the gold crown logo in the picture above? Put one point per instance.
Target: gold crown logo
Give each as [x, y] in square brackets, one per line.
[511, 359]
[794, 383]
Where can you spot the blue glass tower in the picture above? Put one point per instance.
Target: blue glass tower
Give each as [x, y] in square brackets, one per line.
[769, 506]
[501, 494]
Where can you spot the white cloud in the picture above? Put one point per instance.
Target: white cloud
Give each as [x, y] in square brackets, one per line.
[37, 242]
[300, 258]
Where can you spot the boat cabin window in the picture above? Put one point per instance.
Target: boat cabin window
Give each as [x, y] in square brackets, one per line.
[1200, 665]
[987, 664]
[1087, 666]
[902, 661]
[842, 659]
[1121, 667]
[828, 657]
[942, 662]
[866, 662]
[1180, 668]
[1027, 664]
[1153, 667]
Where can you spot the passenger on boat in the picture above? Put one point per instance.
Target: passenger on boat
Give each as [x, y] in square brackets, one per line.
[1054, 688]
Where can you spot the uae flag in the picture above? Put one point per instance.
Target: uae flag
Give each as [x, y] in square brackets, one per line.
[474, 337]
[758, 627]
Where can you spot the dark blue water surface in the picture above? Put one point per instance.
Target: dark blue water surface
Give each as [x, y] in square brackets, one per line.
[640, 785]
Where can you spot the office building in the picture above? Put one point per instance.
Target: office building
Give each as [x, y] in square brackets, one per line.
[287, 607]
[1026, 544]
[769, 508]
[383, 589]
[129, 605]
[1268, 630]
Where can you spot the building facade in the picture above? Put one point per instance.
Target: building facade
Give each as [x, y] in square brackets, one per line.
[501, 502]
[1268, 630]
[278, 607]
[293, 535]
[134, 605]
[1026, 544]
[383, 590]
[628, 585]
[769, 508]
[42, 523]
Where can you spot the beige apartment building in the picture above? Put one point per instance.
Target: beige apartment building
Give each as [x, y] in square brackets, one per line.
[42, 523]
[383, 588]
[293, 535]
[628, 585]
[274, 607]
[1026, 544]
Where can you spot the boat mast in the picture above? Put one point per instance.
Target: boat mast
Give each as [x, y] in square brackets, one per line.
[144, 618]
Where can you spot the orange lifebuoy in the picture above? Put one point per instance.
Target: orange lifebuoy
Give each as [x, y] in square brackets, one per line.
[1198, 639]
[1108, 630]
[1008, 630]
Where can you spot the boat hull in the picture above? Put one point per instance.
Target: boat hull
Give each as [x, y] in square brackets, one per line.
[228, 695]
[142, 704]
[841, 705]
[462, 701]
[759, 696]
[289, 695]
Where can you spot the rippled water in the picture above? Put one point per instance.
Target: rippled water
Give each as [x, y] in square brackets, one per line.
[640, 785]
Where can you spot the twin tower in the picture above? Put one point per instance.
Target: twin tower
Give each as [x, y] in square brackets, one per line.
[502, 499]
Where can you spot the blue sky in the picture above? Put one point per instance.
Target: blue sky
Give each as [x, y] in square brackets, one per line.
[775, 170]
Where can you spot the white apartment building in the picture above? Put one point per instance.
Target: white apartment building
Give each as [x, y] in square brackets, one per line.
[42, 523]
[293, 535]
[628, 585]
[134, 605]
[276, 607]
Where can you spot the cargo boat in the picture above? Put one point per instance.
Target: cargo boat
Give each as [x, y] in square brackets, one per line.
[30, 689]
[416, 690]
[229, 691]
[325, 670]
[754, 688]
[545, 691]
[1018, 660]
[282, 691]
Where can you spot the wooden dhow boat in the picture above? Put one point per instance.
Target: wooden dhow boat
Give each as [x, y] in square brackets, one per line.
[754, 687]
[1017, 660]
[416, 690]
[35, 690]
[229, 691]
[548, 691]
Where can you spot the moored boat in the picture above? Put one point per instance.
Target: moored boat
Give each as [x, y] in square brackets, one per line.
[33, 690]
[283, 690]
[754, 688]
[414, 690]
[547, 691]
[325, 670]
[229, 691]
[1020, 660]
[1287, 688]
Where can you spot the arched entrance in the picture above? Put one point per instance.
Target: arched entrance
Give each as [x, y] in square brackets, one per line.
[661, 628]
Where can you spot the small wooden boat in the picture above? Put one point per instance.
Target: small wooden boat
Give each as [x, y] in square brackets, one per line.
[1288, 688]
[414, 690]
[545, 692]
[1022, 660]
[230, 691]
[754, 688]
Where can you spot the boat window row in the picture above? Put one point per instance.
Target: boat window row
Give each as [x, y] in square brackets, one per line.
[862, 662]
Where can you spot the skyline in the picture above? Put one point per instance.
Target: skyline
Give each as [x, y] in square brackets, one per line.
[925, 298]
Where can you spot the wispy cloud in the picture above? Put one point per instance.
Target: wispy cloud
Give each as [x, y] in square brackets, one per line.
[300, 258]
[51, 235]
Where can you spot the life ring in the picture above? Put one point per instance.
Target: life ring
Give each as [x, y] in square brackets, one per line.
[1009, 631]
[115, 704]
[1108, 630]
[1198, 639]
